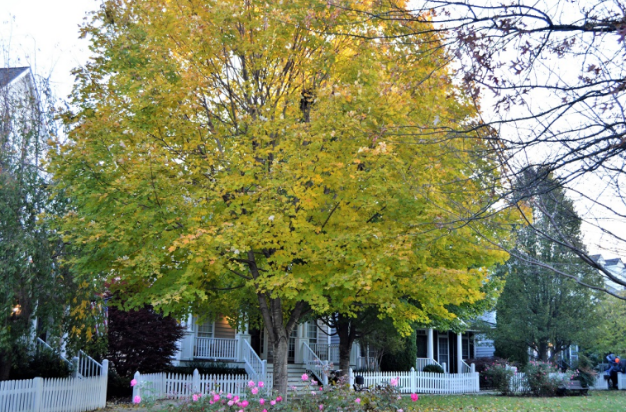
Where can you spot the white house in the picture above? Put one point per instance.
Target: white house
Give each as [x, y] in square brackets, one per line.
[311, 344]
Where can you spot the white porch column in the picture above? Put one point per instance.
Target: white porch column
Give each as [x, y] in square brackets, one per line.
[459, 352]
[188, 341]
[430, 345]
[301, 337]
[241, 336]
[355, 353]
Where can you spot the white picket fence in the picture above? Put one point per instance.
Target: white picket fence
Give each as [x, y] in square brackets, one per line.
[54, 394]
[423, 382]
[180, 386]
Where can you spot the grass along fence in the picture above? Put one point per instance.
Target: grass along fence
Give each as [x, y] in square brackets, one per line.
[423, 382]
[180, 386]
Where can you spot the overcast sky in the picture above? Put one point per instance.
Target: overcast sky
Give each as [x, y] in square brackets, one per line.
[44, 34]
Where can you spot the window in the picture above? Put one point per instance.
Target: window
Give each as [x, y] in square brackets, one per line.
[312, 332]
[205, 330]
[466, 347]
[443, 350]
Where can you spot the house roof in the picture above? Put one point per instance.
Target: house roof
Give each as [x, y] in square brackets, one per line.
[612, 262]
[8, 74]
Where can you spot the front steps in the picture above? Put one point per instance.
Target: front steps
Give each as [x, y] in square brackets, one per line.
[295, 372]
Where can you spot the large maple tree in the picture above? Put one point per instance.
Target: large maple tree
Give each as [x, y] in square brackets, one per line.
[226, 155]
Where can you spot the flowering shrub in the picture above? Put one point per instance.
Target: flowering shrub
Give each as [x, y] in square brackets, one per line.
[311, 399]
[499, 376]
[543, 378]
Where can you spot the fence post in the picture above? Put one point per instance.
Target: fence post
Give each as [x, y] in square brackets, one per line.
[445, 367]
[473, 368]
[195, 386]
[137, 387]
[413, 381]
[104, 375]
[38, 385]
[263, 369]
[351, 378]
[75, 366]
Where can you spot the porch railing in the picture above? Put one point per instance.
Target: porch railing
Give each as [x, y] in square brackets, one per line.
[87, 367]
[420, 363]
[43, 346]
[256, 368]
[465, 368]
[313, 363]
[326, 352]
[215, 348]
[369, 363]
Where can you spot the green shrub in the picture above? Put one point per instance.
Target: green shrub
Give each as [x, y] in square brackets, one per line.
[118, 387]
[433, 369]
[403, 359]
[584, 372]
[43, 364]
[542, 378]
[499, 376]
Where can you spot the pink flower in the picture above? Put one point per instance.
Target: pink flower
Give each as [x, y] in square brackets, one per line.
[261, 384]
[262, 401]
[313, 382]
[255, 391]
[272, 403]
[264, 410]
[236, 398]
[244, 404]
[414, 397]
[229, 396]
[279, 398]
[394, 382]
[216, 397]
[305, 377]
[195, 398]
[231, 403]
[321, 388]
[133, 382]
[211, 402]
[313, 393]
[251, 384]
[399, 397]
[137, 399]
[321, 407]
[358, 400]
[400, 410]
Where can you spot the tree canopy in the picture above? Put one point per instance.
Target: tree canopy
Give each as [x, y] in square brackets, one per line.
[240, 155]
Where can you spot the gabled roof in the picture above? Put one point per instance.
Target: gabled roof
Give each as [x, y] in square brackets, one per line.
[612, 262]
[8, 74]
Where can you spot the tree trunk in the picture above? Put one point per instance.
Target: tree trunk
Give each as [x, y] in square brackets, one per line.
[346, 338]
[277, 329]
[5, 365]
[543, 351]
[281, 355]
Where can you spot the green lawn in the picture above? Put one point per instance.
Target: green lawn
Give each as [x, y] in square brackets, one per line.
[596, 401]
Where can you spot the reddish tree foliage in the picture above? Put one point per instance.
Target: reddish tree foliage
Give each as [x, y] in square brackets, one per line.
[141, 340]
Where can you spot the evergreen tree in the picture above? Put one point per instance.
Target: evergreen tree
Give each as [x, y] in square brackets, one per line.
[539, 310]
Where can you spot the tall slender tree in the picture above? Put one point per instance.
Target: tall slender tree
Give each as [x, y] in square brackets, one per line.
[540, 310]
